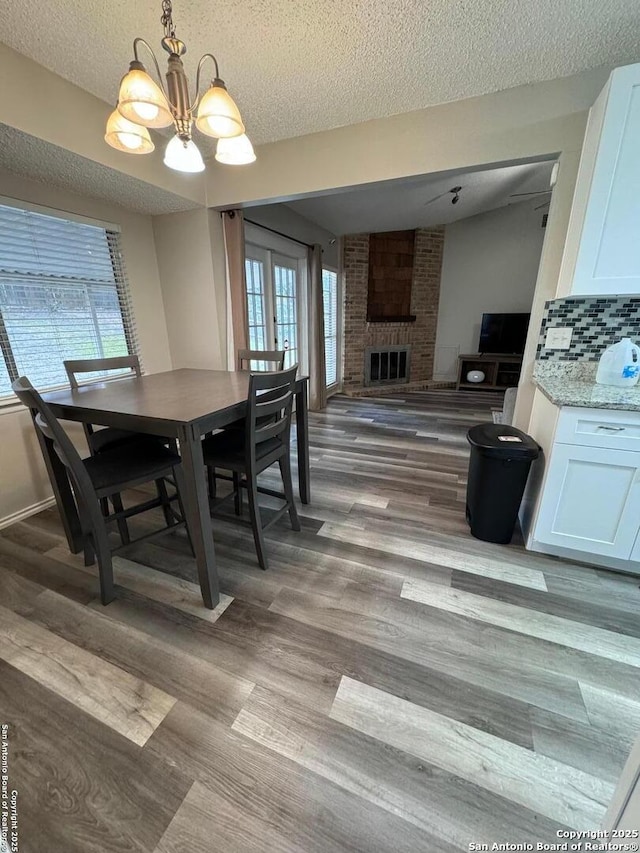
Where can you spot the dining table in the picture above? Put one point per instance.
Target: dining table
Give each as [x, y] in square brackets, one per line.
[185, 405]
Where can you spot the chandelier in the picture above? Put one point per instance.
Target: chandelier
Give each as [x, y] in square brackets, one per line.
[143, 103]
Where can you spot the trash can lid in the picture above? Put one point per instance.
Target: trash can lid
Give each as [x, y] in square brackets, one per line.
[502, 441]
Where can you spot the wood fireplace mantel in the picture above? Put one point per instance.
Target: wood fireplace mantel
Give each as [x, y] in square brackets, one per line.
[405, 318]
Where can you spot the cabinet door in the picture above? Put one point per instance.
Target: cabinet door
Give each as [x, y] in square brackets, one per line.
[635, 553]
[591, 500]
[608, 257]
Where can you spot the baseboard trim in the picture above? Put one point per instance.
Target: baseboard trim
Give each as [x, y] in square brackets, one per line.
[398, 388]
[26, 512]
[596, 561]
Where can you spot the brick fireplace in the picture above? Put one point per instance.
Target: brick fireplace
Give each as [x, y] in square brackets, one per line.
[362, 336]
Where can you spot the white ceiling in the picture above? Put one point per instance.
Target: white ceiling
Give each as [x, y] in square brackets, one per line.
[41, 161]
[304, 66]
[399, 205]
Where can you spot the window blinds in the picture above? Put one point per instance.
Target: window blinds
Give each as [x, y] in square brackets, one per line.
[330, 304]
[63, 294]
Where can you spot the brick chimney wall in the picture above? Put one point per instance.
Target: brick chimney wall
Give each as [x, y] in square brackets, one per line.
[425, 294]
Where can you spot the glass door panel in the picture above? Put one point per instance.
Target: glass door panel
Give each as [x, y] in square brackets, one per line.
[286, 308]
[256, 305]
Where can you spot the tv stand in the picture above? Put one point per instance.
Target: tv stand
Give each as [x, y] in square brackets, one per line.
[501, 371]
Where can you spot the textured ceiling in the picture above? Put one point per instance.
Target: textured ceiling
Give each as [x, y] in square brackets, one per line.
[304, 66]
[34, 158]
[412, 203]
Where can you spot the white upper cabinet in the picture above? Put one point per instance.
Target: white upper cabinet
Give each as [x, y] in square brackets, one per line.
[603, 240]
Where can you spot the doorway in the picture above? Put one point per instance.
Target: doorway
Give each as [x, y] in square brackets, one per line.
[276, 280]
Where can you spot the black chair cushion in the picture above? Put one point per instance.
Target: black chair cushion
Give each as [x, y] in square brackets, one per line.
[111, 437]
[133, 462]
[227, 449]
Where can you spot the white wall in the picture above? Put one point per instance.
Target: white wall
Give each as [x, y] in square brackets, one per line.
[190, 252]
[23, 479]
[282, 218]
[490, 264]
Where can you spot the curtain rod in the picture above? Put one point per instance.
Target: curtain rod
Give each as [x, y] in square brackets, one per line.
[279, 233]
[232, 213]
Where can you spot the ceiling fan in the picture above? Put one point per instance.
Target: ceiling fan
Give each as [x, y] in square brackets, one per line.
[454, 191]
[534, 192]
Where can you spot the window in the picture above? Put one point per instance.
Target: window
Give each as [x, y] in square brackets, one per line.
[63, 294]
[330, 302]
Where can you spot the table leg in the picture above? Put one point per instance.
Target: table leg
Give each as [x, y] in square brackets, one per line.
[302, 434]
[196, 505]
[63, 493]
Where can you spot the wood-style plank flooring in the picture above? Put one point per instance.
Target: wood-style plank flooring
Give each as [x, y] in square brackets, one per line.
[390, 684]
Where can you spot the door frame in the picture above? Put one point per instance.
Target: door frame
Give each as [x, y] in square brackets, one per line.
[274, 245]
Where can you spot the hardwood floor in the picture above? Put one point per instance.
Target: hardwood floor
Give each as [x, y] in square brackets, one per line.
[390, 684]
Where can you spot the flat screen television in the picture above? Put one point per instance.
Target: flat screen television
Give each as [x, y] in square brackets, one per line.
[504, 334]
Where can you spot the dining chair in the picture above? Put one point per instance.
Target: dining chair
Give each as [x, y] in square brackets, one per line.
[264, 441]
[108, 438]
[274, 357]
[103, 475]
[246, 357]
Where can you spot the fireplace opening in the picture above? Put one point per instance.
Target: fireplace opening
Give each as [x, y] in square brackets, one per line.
[387, 365]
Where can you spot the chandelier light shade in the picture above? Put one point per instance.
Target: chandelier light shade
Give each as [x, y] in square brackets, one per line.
[144, 103]
[141, 100]
[127, 136]
[237, 151]
[183, 156]
[218, 114]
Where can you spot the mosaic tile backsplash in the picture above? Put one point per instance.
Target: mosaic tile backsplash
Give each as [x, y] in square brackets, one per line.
[596, 323]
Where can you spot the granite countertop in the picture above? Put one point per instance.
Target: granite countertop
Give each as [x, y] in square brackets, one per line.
[573, 383]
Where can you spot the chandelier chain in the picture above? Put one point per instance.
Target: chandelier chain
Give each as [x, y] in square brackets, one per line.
[167, 20]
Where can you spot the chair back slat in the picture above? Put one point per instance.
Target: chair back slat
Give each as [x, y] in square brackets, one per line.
[93, 365]
[45, 421]
[44, 427]
[273, 357]
[270, 405]
[270, 430]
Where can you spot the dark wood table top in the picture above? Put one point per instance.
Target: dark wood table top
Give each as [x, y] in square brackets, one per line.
[184, 396]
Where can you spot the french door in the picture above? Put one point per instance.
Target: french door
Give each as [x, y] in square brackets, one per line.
[274, 291]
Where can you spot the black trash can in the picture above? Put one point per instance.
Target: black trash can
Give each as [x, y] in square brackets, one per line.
[501, 457]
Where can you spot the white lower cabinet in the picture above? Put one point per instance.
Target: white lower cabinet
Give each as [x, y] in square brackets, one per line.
[591, 501]
[635, 553]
